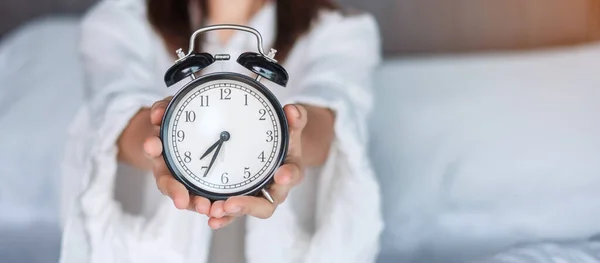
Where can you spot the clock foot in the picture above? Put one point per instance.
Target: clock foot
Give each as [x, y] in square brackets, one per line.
[267, 195]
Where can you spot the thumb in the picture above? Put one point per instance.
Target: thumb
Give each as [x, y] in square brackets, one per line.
[297, 117]
[158, 110]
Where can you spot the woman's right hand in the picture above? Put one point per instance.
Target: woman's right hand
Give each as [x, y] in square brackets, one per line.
[166, 183]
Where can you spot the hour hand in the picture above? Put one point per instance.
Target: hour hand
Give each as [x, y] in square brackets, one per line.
[210, 149]
[224, 136]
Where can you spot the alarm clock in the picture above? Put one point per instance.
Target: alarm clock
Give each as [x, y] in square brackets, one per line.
[225, 134]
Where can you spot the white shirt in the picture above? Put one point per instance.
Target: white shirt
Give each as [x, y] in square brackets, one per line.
[334, 216]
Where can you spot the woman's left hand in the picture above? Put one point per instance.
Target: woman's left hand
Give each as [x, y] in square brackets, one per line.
[287, 176]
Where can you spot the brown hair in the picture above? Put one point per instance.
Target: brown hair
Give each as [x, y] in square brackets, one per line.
[294, 17]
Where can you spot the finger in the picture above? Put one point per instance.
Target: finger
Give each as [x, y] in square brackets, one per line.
[233, 208]
[296, 115]
[289, 174]
[200, 204]
[191, 205]
[216, 223]
[254, 206]
[216, 210]
[174, 189]
[158, 110]
[286, 177]
[153, 148]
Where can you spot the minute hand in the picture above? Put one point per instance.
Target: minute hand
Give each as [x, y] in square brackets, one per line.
[212, 161]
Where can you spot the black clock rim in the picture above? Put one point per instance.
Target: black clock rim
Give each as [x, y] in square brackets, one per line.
[170, 163]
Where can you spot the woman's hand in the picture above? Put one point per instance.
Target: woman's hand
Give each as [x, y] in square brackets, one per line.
[222, 213]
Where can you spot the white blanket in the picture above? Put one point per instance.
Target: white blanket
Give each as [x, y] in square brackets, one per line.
[125, 62]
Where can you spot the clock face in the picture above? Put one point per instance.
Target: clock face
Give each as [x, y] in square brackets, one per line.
[224, 136]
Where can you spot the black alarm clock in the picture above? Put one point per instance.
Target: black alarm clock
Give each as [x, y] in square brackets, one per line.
[225, 134]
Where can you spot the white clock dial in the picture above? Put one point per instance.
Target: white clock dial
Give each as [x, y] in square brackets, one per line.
[213, 108]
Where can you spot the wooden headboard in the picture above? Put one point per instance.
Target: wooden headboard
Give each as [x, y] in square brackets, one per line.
[433, 26]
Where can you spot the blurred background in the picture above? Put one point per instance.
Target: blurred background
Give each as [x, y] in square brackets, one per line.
[492, 118]
[421, 26]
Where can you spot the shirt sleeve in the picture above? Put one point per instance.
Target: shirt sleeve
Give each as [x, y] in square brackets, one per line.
[343, 53]
[119, 51]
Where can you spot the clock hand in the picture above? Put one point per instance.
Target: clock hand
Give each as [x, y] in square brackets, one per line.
[210, 149]
[212, 161]
[223, 138]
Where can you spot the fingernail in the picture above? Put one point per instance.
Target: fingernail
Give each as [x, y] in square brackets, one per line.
[218, 226]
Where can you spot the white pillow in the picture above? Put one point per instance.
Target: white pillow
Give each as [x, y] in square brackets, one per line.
[479, 152]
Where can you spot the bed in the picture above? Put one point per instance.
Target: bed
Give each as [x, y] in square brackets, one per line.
[482, 152]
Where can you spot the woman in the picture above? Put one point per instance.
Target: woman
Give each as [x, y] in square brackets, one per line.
[127, 45]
